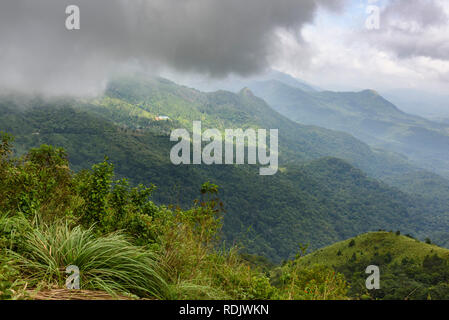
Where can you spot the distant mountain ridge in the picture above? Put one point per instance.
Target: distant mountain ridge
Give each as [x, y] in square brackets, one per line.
[432, 106]
[367, 116]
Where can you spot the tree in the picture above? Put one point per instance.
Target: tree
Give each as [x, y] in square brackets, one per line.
[353, 258]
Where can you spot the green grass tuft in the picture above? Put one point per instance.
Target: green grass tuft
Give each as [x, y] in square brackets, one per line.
[109, 263]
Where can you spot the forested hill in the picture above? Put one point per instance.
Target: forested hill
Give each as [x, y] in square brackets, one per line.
[298, 142]
[223, 109]
[311, 200]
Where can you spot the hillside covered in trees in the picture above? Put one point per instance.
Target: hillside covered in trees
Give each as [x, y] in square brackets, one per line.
[312, 199]
[123, 244]
[128, 247]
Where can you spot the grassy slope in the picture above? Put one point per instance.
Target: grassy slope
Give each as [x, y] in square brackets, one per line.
[400, 247]
[409, 269]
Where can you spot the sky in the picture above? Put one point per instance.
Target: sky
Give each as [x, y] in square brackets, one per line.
[324, 42]
[409, 50]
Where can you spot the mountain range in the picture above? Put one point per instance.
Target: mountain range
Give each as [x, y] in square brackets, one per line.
[367, 116]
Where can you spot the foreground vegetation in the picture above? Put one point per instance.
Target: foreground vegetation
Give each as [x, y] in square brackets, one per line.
[123, 243]
[128, 247]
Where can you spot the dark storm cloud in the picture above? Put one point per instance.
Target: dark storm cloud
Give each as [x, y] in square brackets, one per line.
[214, 37]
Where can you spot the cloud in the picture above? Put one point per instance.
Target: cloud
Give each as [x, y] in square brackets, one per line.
[214, 37]
[414, 28]
[411, 49]
[409, 15]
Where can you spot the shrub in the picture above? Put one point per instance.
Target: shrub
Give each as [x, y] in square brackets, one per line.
[10, 285]
[311, 283]
[12, 230]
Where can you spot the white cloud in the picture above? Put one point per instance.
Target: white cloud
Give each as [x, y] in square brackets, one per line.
[408, 51]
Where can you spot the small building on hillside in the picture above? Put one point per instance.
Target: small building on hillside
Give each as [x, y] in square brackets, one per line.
[162, 118]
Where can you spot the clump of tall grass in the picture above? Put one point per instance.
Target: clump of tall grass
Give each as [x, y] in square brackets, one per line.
[109, 263]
